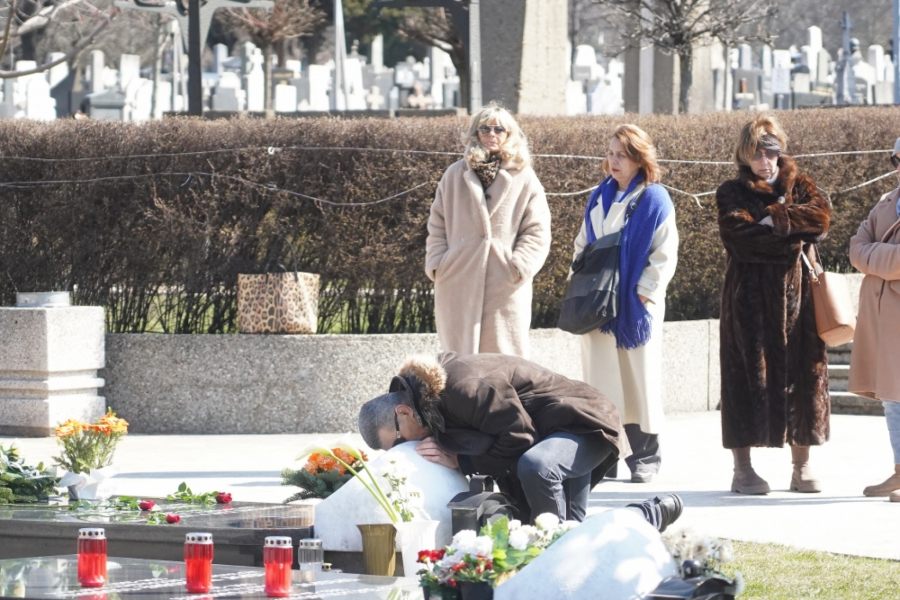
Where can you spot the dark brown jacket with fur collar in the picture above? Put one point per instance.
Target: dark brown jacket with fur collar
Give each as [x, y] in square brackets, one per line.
[774, 365]
[490, 408]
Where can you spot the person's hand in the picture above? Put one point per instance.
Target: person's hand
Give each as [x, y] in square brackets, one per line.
[767, 221]
[430, 451]
[644, 299]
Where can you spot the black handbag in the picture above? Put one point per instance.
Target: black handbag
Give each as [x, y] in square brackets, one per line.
[592, 295]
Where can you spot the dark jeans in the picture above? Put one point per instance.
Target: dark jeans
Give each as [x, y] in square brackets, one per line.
[645, 453]
[556, 473]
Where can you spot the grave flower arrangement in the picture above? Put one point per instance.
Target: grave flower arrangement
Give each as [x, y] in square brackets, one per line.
[354, 462]
[493, 555]
[701, 555]
[89, 446]
[323, 474]
[20, 483]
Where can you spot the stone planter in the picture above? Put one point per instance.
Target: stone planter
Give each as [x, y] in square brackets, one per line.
[378, 548]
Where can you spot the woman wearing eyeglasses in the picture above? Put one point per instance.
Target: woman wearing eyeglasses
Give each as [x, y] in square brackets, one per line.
[774, 365]
[875, 251]
[488, 235]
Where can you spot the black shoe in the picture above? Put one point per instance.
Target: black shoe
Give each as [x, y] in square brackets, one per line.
[670, 508]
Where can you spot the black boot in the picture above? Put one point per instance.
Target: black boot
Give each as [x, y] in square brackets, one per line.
[661, 512]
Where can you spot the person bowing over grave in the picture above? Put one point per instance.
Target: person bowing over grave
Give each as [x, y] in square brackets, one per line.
[545, 438]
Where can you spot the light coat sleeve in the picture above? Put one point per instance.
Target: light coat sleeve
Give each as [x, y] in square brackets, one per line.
[436, 242]
[662, 261]
[533, 237]
[872, 257]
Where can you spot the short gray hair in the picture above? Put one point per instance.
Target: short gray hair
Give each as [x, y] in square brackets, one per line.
[377, 414]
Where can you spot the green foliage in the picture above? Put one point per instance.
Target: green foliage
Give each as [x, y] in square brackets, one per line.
[184, 494]
[162, 253]
[20, 483]
[314, 485]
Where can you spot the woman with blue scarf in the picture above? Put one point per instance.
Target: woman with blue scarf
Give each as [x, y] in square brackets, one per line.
[623, 359]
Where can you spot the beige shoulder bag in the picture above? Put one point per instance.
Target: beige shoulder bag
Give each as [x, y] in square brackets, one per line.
[835, 317]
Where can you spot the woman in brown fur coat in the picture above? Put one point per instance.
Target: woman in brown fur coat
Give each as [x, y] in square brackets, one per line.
[774, 365]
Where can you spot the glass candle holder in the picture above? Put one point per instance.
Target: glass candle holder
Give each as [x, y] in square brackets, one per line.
[278, 555]
[92, 557]
[310, 556]
[198, 557]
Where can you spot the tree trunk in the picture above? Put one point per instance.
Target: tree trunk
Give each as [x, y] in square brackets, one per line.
[461, 64]
[267, 69]
[684, 95]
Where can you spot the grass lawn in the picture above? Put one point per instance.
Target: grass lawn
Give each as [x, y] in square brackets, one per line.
[774, 572]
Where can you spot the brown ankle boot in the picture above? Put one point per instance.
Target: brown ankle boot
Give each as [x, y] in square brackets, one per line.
[802, 479]
[885, 487]
[745, 480]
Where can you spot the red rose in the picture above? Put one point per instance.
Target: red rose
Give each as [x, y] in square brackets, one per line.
[424, 556]
[223, 498]
[451, 582]
[439, 554]
[172, 518]
[146, 504]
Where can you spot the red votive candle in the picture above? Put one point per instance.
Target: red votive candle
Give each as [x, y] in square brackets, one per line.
[278, 554]
[198, 557]
[91, 557]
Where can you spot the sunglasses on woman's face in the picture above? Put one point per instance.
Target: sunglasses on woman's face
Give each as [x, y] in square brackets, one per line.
[895, 160]
[770, 154]
[487, 129]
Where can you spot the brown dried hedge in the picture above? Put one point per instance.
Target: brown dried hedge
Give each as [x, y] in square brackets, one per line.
[127, 228]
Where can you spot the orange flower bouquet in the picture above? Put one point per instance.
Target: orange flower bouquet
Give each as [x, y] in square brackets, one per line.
[89, 446]
[323, 474]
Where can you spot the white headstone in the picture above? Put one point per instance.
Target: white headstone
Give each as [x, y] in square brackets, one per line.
[585, 55]
[98, 65]
[888, 68]
[38, 103]
[811, 60]
[440, 60]
[377, 53]
[353, 73]
[141, 100]
[746, 56]
[319, 82]
[876, 59]
[576, 99]
[766, 59]
[374, 100]
[295, 66]
[129, 70]
[781, 59]
[220, 55]
[338, 515]
[60, 71]
[814, 37]
[802, 83]
[823, 62]
[285, 99]
[781, 80]
[255, 80]
[616, 551]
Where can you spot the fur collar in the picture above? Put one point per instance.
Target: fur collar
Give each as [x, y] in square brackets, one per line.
[427, 380]
[784, 183]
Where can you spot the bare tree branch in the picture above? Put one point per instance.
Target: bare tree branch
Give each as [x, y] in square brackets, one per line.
[75, 51]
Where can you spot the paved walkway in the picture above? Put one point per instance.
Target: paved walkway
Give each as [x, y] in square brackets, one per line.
[838, 520]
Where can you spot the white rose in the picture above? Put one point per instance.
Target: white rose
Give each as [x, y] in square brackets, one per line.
[514, 524]
[569, 525]
[518, 539]
[483, 545]
[464, 540]
[547, 521]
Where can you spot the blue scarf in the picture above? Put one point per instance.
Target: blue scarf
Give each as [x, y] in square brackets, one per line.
[633, 324]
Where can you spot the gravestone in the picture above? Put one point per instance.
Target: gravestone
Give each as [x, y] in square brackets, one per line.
[239, 529]
[220, 55]
[319, 82]
[228, 95]
[451, 94]
[801, 83]
[746, 56]
[823, 66]
[98, 66]
[440, 61]
[576, 99]
[56, 74]
[129, 70]
[377, 52]
[108, 105]
[8, 106]
[39, 104]
[337, 516]
[876, 60]
[374, 100]
[384, 82]
[255, 81]
[583, 66]
[883, 92]
[404, 75]
[62, 94]
[616, 551]
[285, 98]
[56, 578]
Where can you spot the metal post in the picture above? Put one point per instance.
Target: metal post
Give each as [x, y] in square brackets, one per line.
[474, 56]
[195, 57]
[896, 53]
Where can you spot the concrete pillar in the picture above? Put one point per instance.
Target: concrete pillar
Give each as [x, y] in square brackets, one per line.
[523, 49]
[48, 368]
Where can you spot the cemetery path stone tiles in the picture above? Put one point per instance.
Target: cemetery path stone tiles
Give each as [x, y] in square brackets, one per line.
[56, 578]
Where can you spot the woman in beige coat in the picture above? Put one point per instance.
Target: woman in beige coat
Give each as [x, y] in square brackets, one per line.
[488, 235]
[875, 251]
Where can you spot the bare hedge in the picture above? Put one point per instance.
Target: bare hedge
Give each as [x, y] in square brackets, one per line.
[130, 217]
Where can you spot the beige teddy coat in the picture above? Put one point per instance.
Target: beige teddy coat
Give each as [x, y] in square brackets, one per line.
[873, 363]
[483, 249]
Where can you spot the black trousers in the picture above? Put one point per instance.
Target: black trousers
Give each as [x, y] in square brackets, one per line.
[645, 455]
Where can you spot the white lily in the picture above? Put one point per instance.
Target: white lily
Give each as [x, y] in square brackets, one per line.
[316, 447]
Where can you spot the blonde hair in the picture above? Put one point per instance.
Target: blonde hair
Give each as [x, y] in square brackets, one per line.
[639, 148]
[514, 150]
[752, 133]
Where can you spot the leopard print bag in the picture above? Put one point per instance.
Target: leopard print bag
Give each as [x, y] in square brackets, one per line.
[278, 303]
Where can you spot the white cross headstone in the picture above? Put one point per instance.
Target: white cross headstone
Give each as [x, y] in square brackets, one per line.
[374, 99]
[98, 65]
[255, 81]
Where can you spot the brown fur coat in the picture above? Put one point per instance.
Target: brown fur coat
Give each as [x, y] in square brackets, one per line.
[774, 365]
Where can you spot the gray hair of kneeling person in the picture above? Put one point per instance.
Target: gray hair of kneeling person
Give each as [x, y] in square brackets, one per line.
[377, 414]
